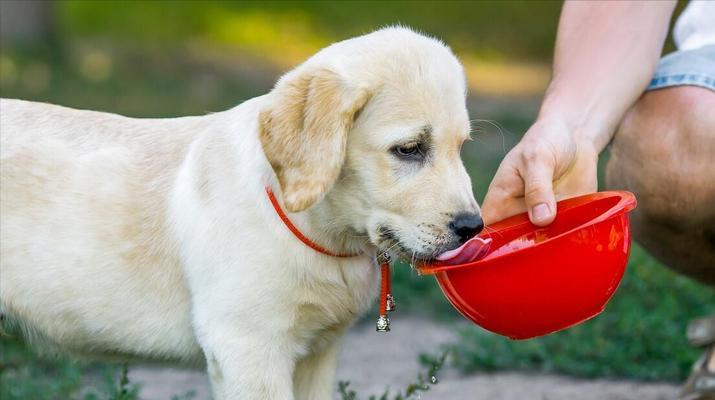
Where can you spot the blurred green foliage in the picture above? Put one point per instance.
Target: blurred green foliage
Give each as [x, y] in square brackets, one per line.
[141, 83]
[502, 29]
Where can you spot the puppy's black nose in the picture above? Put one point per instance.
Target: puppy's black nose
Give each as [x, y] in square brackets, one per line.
[466, 225]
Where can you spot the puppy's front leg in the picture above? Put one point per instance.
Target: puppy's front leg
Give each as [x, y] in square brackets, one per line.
[314, 374]
[246, 366]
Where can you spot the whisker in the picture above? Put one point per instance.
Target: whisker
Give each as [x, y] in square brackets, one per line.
[499, 128]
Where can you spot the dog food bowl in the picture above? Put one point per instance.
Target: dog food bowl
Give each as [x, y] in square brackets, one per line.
[533, 281]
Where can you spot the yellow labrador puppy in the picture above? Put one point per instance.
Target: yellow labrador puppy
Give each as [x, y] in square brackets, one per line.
[155, 239]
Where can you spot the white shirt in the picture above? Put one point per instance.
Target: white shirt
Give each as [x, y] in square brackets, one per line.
[695, 26]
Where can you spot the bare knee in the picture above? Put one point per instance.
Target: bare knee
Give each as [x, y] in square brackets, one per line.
[664, 152]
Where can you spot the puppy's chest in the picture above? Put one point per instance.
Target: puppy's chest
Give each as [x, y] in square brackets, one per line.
[329, 303]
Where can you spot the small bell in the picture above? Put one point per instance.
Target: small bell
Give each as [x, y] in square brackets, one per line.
[387, 303]
[390, 303]
[384, 258]
[383, 324]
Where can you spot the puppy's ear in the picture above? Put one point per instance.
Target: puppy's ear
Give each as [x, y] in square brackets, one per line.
[304, 133]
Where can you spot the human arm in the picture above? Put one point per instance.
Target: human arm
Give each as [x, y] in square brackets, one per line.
[605, 55]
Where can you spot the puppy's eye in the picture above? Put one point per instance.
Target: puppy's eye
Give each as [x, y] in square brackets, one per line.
[408, 151]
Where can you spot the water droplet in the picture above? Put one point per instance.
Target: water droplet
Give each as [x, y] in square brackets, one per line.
[434, 380]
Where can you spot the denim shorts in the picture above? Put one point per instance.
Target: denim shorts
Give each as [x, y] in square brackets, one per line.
[694, 67]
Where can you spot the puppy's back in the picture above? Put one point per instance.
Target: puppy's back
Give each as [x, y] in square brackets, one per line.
[84, 231]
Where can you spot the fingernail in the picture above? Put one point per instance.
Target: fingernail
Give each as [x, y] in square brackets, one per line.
[540, 212]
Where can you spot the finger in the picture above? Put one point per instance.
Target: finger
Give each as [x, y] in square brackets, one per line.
[495, 210]
[539, 191]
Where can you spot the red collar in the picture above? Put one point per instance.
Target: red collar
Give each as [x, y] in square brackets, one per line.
[387, 302]
[296, 232]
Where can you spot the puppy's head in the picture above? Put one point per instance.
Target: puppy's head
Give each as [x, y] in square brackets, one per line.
[373, 127]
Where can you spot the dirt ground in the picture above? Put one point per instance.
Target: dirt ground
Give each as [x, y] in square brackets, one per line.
[373, 361]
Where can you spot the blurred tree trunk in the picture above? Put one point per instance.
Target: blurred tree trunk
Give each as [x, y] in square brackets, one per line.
[26, 22]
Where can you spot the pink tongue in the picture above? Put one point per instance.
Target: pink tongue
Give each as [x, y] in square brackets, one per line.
[472, 250]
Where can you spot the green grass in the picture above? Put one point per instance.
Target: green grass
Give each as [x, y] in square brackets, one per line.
[424, 382]
[25, 375]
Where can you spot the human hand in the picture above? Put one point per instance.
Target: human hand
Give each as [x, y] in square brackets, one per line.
[583, 105]
[550, 162]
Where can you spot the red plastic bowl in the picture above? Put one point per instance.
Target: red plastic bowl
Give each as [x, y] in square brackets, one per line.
[534, 281]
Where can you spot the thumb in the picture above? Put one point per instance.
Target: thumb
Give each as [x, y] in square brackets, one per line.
[539, 192]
